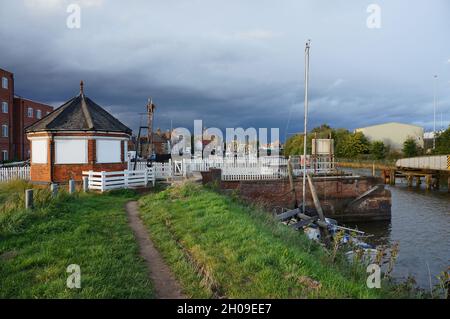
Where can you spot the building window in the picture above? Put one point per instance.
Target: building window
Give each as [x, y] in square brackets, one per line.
[70, 151]
[5, 155]
[47, 113]
[108, 151]
[39, 150]
[4, 83]
[38, 114]
[5, 107]
[30, 112]
[5, 130]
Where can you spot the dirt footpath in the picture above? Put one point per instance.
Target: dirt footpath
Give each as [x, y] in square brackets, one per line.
[164, 282]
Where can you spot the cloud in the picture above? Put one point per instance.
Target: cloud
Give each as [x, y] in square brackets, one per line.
[258, 34]
[233, 63]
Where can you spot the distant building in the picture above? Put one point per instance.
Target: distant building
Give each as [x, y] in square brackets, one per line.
[160, 140]
[393, 134]
[15, 115]
[26, 112]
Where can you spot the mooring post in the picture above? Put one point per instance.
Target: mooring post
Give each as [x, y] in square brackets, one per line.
[28, 198]
[373, 169]
[71, 186]
[54, 189]
[85, 184]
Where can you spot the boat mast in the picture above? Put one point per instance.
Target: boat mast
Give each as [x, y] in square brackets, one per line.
[308, 44]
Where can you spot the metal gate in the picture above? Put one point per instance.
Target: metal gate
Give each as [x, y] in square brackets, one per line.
[178, 168]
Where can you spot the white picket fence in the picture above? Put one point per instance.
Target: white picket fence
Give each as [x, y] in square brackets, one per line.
[104, 181]
[263, 168]
[12, 173]
[161, 170]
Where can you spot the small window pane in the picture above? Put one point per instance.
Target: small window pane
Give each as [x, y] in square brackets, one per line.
[4, 107]
[5, 130]
[38, 114]
[4, 83]
[30, 112]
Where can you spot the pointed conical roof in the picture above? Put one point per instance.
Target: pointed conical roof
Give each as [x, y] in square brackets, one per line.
[79, 114]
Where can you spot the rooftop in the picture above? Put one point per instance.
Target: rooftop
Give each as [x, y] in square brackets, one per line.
[79, 114]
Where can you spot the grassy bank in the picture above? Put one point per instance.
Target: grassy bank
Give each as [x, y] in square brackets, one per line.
[89, 230]
[220, 248]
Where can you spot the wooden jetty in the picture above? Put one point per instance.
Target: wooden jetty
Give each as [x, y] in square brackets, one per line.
[427, 169]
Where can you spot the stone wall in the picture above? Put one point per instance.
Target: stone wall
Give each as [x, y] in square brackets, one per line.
[335, 195]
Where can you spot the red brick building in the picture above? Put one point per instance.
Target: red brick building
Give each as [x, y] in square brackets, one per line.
[6, 119]
[16, 113]
[25, 113]
[78, 136]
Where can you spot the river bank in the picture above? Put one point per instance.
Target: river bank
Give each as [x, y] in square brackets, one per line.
[420, 223]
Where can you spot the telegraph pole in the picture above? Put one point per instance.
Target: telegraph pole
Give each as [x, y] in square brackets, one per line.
[150, 115]
[434, 111]
[308, 45]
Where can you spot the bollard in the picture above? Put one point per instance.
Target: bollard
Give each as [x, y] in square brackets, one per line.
[28, 198]
[85, 183]
[54, 189]
[71, 186]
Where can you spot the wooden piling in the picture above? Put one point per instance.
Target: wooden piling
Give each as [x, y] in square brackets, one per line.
[291, 182]
[448, 184]
[324, 231]
[428, 181]
[409, 180]
[418, 181]
[28, 198]
[392, 177]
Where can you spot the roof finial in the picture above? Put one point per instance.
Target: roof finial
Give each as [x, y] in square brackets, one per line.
[81, 87]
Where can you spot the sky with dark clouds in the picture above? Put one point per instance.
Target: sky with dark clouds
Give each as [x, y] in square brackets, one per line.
[235, 62]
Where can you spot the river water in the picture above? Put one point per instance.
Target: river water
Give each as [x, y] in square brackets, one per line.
[421, 225]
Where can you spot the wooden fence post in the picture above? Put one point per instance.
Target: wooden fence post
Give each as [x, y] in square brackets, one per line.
[103, 182]
[125, 177]
[28, 198]
[146, 172]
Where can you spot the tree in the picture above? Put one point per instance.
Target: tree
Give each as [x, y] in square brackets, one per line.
[294, 145]
[378, 150]
[443, 143]
[410, 147]
[352, 145]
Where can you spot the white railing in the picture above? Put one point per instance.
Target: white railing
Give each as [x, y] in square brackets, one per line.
[104, 181]
[11, 173]
[437, 162]
[240, 168]
[161, 170]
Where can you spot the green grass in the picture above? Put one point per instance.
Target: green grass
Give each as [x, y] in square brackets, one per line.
[90, 230]
[218, 247]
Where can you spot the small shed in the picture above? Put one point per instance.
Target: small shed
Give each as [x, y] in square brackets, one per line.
[78, 136]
